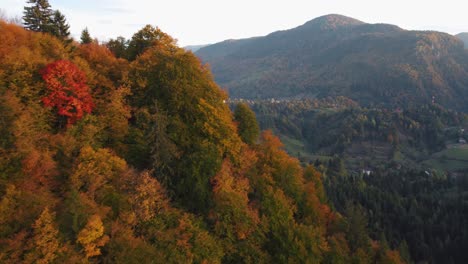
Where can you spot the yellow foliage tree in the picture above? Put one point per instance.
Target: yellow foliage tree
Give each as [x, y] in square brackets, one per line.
[95, 169]
[92, 237]
[45, 242]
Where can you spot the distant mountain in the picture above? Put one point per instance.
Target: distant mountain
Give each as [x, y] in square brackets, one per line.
[335, 55]
[194, 48]
[464, 37]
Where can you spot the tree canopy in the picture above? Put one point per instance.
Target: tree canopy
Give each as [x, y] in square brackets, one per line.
[246, 123]
[111, 160]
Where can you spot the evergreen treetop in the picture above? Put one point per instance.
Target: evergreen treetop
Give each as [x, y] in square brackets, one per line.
[38, 16]
[85, 37]
[61, 28]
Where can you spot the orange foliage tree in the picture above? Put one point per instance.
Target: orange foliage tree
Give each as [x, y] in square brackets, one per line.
[68, 91]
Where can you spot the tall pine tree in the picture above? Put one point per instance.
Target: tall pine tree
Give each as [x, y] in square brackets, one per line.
[60, 28]
[38, 16]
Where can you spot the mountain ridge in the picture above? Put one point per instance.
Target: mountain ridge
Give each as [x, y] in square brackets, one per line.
[195, 48]
[333, 55]
[332, 21]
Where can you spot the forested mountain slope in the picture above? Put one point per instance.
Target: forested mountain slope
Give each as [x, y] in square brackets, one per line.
[373, 64]
[406, 168]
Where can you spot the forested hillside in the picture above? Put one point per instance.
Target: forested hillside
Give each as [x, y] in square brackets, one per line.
[373, 64]
[366, 137]
[127, 153]
[423, 212]
[404, 170]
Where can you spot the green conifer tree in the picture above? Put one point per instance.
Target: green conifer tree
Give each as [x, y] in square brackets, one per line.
[60, 27]
[85, 37]
[38, 16]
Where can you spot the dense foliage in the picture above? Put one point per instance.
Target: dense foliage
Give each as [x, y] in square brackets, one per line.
[156, 172]
[425, 212]
[379, 169]
[246, 123]
[364, 137]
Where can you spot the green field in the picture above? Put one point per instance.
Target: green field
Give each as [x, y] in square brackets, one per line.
[297, 149]
[452, 159]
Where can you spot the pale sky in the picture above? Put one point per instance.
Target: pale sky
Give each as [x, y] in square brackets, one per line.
[211, 21]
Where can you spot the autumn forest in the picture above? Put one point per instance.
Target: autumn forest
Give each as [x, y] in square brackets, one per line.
[127, 151]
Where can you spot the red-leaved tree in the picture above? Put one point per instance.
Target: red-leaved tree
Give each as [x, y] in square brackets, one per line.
[68, 91]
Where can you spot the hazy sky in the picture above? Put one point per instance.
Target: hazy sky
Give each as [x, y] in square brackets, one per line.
[210, 21]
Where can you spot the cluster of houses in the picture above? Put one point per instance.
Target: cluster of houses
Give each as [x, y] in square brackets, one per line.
[251, 102]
